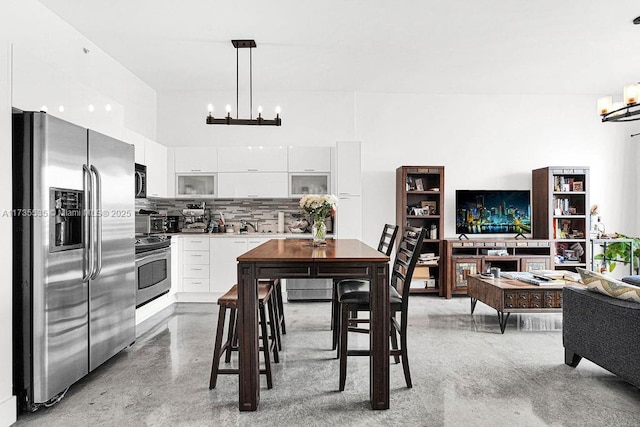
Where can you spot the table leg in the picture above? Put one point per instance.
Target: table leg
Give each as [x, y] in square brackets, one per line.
[379, 337]
[249, 362]
[502, 319]
[474, 301]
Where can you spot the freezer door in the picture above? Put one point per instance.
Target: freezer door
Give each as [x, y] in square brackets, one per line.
[112, 289]
[59, 309]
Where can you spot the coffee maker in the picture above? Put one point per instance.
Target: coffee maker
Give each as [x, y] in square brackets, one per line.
[173, 224]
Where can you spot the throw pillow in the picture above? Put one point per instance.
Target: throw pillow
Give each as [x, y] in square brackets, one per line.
[606, 285]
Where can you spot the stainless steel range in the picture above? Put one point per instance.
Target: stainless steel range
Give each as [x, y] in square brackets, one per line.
[153, 267]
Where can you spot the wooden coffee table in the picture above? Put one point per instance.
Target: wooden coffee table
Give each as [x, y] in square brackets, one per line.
[512, 296]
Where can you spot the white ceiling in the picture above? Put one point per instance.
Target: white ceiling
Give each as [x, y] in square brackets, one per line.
[414, 46]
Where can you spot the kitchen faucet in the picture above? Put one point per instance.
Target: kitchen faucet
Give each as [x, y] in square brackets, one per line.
[247, 223]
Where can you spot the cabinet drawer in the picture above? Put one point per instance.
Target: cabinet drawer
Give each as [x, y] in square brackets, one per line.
[195, 271]
[195, 257]
[196, 244]
[510, 299]
[195, 285]
[536, 300]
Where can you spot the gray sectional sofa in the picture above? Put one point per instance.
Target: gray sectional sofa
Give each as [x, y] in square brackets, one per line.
[602, 329]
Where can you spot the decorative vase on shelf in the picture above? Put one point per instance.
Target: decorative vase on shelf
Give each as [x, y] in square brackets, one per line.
[319, 232]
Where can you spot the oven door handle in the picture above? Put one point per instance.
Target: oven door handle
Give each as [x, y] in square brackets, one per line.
[158, 253]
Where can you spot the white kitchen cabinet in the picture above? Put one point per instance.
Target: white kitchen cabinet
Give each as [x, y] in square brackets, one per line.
[309, 159]
[252, 159]
[224, 263]
[171, 170]
[255, 241]
[349, 217]
[253, 185]
[156, 162]
[138, 141]
[349, 174]
[195, 264]
[196, 159]
[195, 185]
[301, 183]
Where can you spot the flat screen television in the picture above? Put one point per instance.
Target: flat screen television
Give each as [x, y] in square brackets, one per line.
[493, 212]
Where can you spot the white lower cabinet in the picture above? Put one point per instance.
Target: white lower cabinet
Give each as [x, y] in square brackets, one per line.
[224, 264]
[195, 264]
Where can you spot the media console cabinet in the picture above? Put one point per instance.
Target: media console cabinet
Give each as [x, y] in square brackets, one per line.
[466, 257]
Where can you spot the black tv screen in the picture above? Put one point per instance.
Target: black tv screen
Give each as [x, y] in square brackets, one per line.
[493, 211]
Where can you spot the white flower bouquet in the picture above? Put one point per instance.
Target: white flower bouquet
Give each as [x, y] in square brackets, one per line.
[319, 206]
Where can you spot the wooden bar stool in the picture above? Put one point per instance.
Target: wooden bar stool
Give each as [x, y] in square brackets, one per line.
[229, 301]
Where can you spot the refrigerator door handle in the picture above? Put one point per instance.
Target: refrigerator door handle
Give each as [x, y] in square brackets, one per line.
[98, 223]
[87, 256]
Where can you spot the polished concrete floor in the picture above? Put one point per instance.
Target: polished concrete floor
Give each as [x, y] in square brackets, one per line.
[465, 373]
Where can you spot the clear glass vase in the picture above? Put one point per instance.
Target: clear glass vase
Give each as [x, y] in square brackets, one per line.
[319, 232]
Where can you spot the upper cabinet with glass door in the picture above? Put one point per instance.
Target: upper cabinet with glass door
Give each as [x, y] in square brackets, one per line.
[196, 172]
[309, 170]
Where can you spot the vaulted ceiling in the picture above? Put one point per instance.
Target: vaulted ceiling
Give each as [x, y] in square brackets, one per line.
[414, 46]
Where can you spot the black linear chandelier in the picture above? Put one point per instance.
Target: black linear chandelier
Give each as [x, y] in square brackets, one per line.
[627, 110]
[228, 120]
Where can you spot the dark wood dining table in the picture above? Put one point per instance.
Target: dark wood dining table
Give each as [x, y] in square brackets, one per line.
[297, 258]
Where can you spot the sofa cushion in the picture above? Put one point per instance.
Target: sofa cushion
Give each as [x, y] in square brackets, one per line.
[606, 285]
[632, 280]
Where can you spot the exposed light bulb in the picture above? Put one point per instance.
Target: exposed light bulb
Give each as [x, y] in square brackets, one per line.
[44, 108]
[228, 108]
[210, 108]
[61, 108]
[107, 107]
[631, 93]
[278, 109]
[259, 109]
[91, 108]
[604, 105]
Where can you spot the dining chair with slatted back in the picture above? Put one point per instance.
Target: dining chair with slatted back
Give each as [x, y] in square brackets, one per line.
[353, 296]
[387, 240]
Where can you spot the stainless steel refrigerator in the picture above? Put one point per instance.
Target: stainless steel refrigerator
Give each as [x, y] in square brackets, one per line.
[74, 271]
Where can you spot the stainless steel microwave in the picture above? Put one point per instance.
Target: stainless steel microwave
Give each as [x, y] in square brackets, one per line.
[141, 181]
[151, 224]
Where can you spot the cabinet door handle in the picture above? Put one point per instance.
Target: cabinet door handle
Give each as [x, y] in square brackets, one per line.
[196, 255]
[196, 269]
[252, 170]
[196, 170]
[252, 195]
[309, 170]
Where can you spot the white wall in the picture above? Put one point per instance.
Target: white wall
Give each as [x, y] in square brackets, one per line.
[7, 400]
[484, 142]
[50, 68]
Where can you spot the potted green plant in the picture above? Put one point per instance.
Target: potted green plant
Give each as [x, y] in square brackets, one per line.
[616, 252]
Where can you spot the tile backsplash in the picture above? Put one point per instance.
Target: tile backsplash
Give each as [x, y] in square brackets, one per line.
[263, 211]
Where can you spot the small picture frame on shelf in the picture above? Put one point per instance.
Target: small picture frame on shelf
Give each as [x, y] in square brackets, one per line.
[410, 184]
[419, 185]
[418, 211]
[577, 186]
[429, 206]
